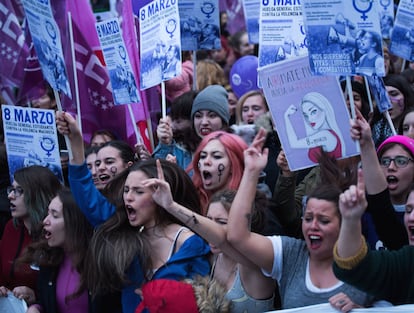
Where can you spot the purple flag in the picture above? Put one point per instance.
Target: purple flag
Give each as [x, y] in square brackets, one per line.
[13, 48]
[97, 106]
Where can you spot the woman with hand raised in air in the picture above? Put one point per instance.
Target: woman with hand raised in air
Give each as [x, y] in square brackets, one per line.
[247, 288]
[302, 268]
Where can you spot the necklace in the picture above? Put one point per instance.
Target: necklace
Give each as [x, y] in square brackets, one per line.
[225, 272]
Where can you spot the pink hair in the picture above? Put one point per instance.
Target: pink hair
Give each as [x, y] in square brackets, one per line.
[234, 146]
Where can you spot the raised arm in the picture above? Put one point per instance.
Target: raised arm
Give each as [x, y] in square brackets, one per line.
[93, 204]
[387, 225]
[374, 178]
[67, 125]
[352, 204]
[257, 248]
[203, 226]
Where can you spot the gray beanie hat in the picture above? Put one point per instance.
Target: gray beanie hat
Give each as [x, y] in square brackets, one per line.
[212, 98]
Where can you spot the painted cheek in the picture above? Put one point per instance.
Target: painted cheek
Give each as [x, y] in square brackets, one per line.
[220, 170]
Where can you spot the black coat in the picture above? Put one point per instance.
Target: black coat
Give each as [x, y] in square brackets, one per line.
[46, 295]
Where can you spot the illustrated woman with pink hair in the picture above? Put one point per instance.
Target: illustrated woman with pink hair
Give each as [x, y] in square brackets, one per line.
[321, 128]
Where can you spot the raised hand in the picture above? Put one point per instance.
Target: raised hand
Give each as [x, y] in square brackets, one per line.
[161, 189]
[67, 125]
[352, 202]
[255, 157]
[164, 131]
[142, 152]
[360, 128]
[291, 110]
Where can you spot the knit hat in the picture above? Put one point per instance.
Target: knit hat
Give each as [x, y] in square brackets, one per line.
[212, 98]
[405, 141]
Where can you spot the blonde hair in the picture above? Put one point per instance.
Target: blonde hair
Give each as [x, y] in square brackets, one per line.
[210, 295]
[242, 100]
[209, 73]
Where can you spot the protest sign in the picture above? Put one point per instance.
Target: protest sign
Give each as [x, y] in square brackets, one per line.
[402, 38]
[160, 42]
[344, 39]
[386, 11]
[378, 90]
[252, 16]
[31, 138]
[281, 31]
[309, 112]
[47, 42]
[11, 304]
[327, 308]
[200, 25]
[124, 87]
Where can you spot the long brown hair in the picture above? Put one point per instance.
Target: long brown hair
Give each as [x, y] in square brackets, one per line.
[116, 244]
[39, 186]
[78, 232]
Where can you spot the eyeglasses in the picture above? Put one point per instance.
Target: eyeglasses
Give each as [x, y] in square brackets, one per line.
[18, 191]
[400, 161]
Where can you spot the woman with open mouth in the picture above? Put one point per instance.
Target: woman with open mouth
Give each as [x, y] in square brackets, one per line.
[362, 267]
[30, 193]
[60, 256]
[112, 159]
[210, 111]
[247, 289]
[149, 243]
[217, 164]
[389, 175]
[302, 268]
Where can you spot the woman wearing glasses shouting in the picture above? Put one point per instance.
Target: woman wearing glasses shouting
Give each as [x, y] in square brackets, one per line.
[30, 193]
[389, 177]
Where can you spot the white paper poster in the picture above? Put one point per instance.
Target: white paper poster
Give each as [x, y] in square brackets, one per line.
[31, 138]
[402, 38]
[252, 16]
[386, 10]
[11, 304]
[309, 112]
[200, 25]
[327, 308]
[124, 87]
[160, 42]
[344, 37]
[281, 31]
[47, 42]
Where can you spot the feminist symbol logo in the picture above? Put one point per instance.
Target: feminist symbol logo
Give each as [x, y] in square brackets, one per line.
[51, 31]
[47, 144]
[385, 4]
[362, 6]
[208, 8]
[220, 170]
[171, 26]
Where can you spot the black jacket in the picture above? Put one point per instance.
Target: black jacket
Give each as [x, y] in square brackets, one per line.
[46, 295]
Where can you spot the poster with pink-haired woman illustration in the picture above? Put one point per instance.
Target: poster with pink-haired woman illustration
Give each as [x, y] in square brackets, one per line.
[309, 112]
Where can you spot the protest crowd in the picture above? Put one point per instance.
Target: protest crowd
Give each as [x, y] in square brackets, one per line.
[218, 173]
